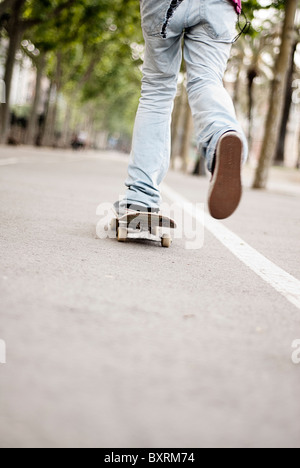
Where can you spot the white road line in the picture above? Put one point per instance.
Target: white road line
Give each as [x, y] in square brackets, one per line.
[8, 162]
[275, 276]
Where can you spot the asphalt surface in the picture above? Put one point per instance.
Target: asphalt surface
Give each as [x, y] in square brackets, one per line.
[131, 345]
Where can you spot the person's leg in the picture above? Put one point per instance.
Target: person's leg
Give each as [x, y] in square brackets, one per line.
[208, 42]
[150, 154]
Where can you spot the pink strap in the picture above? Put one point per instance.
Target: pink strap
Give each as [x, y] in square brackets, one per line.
[238, 6]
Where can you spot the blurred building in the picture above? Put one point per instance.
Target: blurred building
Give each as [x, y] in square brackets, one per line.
[23, 82]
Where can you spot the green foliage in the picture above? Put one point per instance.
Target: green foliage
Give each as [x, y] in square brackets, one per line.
[93, 38]
[250, 7]
[99, 47]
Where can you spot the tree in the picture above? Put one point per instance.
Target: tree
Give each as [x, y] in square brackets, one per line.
[258, 45]
[31, 131]
[15, 31]
[99, 55]
[6, 5]
[22, 15]
[279, 158]
[277, 96]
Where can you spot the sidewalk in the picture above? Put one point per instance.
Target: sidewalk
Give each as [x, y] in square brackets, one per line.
[281, 180]
[132, 345]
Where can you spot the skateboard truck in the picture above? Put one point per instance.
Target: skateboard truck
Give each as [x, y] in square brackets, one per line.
[146, 226]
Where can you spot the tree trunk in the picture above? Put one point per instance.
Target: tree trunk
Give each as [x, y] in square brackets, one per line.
[49, 130]
[6, 5]
[44, 118]
[279, 158]
[251, 75]
[237, 87]
[200, 166]
[67, 130]
[187, 136]
[277, 97]
[33, 118]
[15, 35]
[49, 134]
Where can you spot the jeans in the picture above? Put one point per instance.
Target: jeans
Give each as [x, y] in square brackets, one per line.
[208, 29]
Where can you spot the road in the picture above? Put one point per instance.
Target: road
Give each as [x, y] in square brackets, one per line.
[131, 345]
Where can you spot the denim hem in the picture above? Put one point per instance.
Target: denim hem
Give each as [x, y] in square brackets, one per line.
[212, 148]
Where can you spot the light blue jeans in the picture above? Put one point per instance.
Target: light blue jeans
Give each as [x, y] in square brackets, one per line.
[208, 29]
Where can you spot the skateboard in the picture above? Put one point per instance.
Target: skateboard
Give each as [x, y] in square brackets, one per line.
[146, 226]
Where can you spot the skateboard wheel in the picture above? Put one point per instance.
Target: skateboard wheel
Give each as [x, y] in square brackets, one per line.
[122, 234]
[166, 241]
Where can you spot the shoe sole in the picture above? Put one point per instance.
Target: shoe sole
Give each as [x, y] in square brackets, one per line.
[226, 187]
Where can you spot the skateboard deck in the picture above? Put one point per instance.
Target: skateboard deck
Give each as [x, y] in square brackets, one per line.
[146, 226]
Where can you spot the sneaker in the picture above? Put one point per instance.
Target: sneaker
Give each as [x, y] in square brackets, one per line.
[226, 185]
